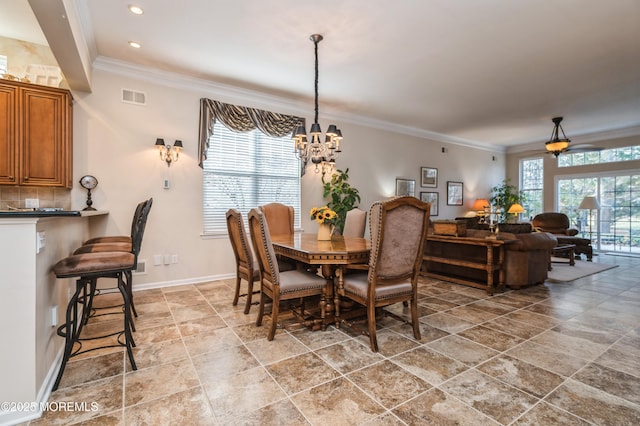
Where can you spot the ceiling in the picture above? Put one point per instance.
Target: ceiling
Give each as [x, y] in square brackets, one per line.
[485, 72]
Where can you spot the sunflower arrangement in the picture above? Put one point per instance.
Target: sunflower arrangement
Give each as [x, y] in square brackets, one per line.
[323, 215]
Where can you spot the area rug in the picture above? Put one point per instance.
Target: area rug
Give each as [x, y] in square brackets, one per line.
[562, 272]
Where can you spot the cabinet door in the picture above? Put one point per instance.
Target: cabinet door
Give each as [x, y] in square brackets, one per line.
[8, 136]
[45, 126]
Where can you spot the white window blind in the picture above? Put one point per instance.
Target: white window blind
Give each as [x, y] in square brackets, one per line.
[246, 170]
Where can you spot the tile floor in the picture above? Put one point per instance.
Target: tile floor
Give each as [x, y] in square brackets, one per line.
[563, 353]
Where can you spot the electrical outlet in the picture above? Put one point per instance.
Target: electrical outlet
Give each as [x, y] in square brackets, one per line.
[174, 258]
[54, 315]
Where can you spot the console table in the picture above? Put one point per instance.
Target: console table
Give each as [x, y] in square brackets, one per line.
[477, 262]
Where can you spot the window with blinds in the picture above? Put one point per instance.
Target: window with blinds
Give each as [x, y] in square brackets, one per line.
[246, 170]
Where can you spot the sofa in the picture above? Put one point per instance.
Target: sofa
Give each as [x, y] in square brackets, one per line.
[526, 257]
[558, 225]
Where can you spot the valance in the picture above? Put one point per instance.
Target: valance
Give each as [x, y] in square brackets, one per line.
[241, 119]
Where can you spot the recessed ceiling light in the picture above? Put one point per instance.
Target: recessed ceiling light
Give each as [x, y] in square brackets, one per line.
[136, 10]
[135, 44]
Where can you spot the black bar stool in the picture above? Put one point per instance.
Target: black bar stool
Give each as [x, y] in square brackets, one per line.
[87, 268]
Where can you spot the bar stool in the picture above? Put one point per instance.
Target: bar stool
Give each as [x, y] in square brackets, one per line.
[87, 268]
[121, 244]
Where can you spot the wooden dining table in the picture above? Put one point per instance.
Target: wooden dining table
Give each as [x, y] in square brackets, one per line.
[330, 255]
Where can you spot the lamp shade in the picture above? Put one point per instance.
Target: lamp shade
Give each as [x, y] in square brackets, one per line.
[515, 209]
[589, 203]
[480, 204]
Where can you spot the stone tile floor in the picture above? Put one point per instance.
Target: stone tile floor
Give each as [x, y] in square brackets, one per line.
[558, 353]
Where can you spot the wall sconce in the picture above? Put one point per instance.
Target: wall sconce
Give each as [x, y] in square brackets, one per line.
[169, 153]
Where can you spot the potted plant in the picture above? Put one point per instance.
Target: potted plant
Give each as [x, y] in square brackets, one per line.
[505, 195]
[342, 196]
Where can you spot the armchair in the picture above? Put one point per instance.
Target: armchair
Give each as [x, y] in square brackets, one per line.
[558, 225]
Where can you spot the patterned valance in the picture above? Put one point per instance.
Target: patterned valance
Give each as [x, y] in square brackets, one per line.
[241, 119]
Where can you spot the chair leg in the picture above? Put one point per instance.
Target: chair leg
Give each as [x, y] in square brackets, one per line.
[69, 330]
[237, 295]
[127, 321]
[274, 316]
[371, 326]
[414, 319]
[129, 275]
[260, 309]
[247, 305]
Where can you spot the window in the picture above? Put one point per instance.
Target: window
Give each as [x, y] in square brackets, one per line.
[532, 185]
[616, 226]
[612, 155]
[246, 170]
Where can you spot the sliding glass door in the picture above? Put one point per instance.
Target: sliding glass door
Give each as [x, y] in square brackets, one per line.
[615, 226]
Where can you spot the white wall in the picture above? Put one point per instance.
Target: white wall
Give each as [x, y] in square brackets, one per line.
[115, 142]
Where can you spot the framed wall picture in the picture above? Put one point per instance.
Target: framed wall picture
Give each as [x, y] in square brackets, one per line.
[454, 193]
[428, 177]
[431, 197]
[405, 187]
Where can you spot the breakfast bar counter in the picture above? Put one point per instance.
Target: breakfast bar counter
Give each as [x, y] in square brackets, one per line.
[32, 301]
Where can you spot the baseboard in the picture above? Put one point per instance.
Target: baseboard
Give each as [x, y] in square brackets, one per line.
[187, 281]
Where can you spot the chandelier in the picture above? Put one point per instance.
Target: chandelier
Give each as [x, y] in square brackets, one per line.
[319, 153]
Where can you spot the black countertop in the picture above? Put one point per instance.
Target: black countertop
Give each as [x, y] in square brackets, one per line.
[38, 213]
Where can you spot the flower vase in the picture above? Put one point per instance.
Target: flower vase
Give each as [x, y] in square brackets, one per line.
[324, 232]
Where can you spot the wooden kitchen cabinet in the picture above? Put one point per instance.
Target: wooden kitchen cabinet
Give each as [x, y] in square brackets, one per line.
[36, 133]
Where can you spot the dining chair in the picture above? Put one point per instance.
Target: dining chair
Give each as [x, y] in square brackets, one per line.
[280, 218]
[398, 230]
[246, 266]
[279, 285]
[355, 223]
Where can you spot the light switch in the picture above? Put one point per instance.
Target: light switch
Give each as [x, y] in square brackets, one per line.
[40, 241]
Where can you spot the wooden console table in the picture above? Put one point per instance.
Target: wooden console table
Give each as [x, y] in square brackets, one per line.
[458, 259]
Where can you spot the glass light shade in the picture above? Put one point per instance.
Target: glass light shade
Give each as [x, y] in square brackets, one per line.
[557, 145]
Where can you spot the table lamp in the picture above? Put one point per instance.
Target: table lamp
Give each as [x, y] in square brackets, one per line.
[515, 210]
[479, 206]
[589, 203]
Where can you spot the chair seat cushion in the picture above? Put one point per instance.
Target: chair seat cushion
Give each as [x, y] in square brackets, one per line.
[292, 281]
[102, 247]
[94, 264]
[109, 239]
[357, 285]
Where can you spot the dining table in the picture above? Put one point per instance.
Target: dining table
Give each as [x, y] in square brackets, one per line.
[331, 256]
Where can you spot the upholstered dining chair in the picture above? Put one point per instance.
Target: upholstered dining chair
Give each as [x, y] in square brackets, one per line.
[280, 218]
[246, 266]
[355, 223]
[275, 284]
[398, 230]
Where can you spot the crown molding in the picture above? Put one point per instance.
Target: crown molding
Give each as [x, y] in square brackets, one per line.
[256, 99]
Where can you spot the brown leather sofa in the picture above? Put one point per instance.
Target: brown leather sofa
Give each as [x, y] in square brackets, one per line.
[526, 258]
[558, 225]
